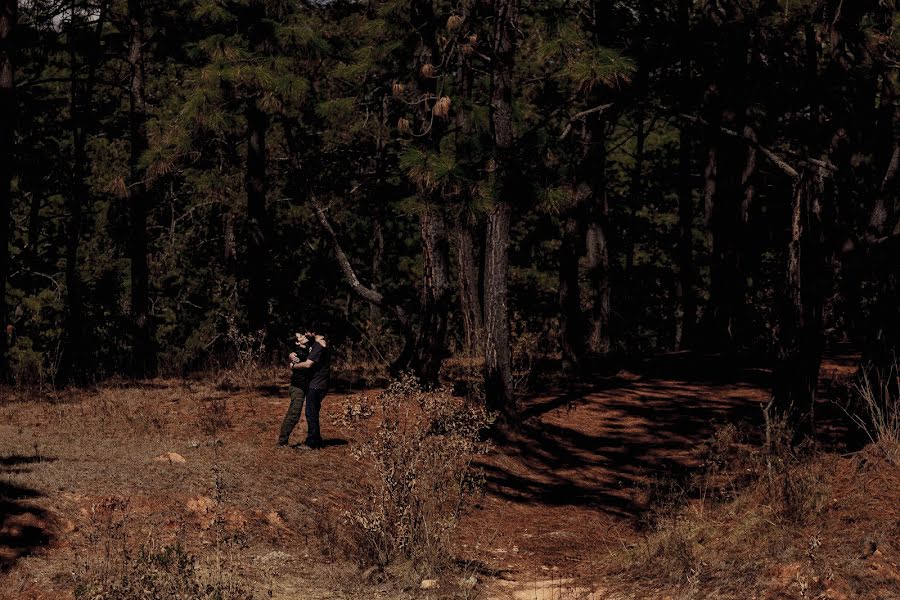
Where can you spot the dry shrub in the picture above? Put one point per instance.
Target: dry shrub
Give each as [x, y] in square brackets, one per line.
[353, 410]
[213, 416]
[245, 359]
[420, 475]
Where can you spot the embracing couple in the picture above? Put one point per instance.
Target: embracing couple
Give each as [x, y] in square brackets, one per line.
[310, 364]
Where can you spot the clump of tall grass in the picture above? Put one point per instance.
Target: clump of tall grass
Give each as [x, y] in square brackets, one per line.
[876, 409]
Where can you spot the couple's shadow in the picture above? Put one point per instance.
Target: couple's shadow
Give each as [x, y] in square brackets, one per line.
[327, 443]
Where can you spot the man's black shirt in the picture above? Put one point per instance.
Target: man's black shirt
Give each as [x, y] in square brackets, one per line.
[321, 369]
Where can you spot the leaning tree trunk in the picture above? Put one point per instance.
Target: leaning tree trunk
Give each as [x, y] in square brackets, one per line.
[143, 359]
[257, 221]
[369, 294]
[8, 14]
[498, 381]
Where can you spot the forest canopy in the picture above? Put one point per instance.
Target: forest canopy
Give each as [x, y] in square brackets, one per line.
[180, 179]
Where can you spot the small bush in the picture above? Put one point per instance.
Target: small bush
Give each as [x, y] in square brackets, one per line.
[420, 475]
[213, 416]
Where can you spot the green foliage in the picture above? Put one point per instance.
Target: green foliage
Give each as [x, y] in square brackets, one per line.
[350, 118]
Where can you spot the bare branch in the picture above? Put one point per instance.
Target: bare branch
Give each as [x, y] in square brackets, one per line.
[581, 115]
[777, 160]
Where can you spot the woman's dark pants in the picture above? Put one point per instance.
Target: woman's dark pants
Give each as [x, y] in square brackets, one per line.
[293, 414]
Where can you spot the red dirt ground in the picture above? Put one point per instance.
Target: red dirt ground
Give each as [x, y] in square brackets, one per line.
[567, 489]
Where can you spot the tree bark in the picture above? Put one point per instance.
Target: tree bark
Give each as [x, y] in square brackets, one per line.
[498, 384]
[685, 291]
[635, 193]
[467, 249]
[801, 336]
[432, 339]
[468, 289]
[257, 219]
[597, 244]
[8, 18]
[143, 357]
[586, 192]
[571, 315]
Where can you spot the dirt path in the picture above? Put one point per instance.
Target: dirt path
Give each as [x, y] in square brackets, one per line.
[571, 486]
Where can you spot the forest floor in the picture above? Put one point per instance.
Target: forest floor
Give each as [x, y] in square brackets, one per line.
[571, 506]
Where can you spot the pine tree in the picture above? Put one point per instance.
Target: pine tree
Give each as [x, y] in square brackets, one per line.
[8, 17]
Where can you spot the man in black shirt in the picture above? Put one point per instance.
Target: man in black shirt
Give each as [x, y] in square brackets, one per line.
[319, 365]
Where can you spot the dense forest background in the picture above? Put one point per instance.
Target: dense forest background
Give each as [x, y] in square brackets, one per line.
[183, 181]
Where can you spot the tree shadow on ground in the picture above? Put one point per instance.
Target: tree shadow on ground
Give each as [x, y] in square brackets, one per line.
[603, 446]
[24, 527]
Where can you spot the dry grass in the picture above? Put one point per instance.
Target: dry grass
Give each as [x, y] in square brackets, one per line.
[877, 411]
[86, 505]
[773, 523]
[87, 458]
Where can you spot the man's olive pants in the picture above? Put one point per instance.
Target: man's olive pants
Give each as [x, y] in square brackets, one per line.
[293, 414]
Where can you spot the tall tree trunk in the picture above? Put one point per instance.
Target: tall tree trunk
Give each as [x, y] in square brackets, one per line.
[8, 16]
[571, 315]
[588, 189]
[73, 347]
[597, 244]
[257, 219]
[725, 105]
[685, 291]
[431, 344]
[377, 259]
[467, 249]
[498, 381]
[727, 282]
[635, 193]
[801, 336]
[467, 283]
[143, 359]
